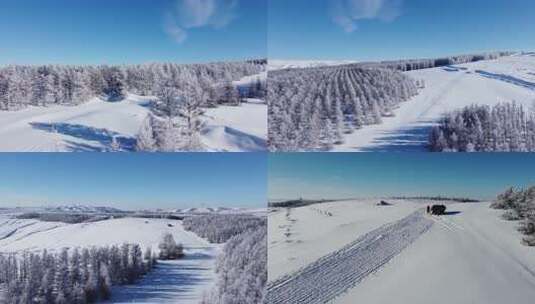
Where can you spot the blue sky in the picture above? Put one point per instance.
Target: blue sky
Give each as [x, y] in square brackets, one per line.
[134, 181]
[351, 175]
[131, 31]
[396, 29]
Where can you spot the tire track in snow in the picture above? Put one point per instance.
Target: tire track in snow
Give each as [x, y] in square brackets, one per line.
[331, 275]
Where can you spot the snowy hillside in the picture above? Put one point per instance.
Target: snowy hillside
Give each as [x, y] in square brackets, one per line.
[359, 250]
[446, 89]
[92, 126]
[185, 279]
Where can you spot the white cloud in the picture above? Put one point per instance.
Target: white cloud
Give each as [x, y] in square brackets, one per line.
[347, 13]
[191, 14]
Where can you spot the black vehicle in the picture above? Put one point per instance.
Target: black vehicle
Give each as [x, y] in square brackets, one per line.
[438, 209]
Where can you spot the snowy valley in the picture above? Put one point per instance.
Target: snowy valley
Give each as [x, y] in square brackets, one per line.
[81, 235]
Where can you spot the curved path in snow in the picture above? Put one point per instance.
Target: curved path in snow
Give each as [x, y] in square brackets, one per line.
[330, 276]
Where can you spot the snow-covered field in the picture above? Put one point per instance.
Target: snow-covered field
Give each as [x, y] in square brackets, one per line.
[470, 255]
[93, 125]
[183, 280]
[299, 236]
[447, 88]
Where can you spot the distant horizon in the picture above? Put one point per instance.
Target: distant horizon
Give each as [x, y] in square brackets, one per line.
[400, 58]
[349, 175]
[137, 63]
[133, 181]
[374, 30]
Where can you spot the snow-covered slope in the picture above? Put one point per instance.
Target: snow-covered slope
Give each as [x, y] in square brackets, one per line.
[93, 125]
[447, 88]
[470, 257]
[299, 236]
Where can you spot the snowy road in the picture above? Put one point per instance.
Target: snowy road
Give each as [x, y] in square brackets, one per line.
[447, 89]
[330, 276]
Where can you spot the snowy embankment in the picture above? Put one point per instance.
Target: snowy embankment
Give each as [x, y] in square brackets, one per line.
[328, 277]
[300, 236]
[185, 280]
[92, 126]
[446, 89]
[469, 256]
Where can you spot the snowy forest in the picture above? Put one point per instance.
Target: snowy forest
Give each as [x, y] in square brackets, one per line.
[311, 109]
[178, 93]
[505, 127]
[242, 265]
[73, 275]
[520, 206]
[219, 228]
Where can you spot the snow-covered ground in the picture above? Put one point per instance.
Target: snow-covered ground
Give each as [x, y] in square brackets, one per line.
[93, 125]
[183, 281]
[470, 255]
[300, 236]
[447, 88]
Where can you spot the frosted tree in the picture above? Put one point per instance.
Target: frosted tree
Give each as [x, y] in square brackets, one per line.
[146, 141]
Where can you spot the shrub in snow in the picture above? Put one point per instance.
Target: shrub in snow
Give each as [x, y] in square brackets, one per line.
[169, 249]
[311, 109]
[519, 205]
[71, 276]
[504, 127]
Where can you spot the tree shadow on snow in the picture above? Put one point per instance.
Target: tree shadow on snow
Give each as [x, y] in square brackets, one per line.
[452, 212]
[103, 137]
[169, 282]
[412, 139]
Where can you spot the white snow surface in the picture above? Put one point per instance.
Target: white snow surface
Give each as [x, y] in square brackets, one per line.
[300, 236]
[183, 281]
[470, 255]
[92, 126]
[447, 89]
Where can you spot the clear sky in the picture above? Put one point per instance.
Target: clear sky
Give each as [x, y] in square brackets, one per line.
[134, 181]
[352, 175]
[131, 31]
[397, 29]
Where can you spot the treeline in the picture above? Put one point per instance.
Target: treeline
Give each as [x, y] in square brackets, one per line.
[242, 269]
[21, 86]
[69, 218]
[312, 109]
[296, 203]
[519, 206]
[221, 227]
[72, 275]
[418, 64]
[439, 198]
[505, 127]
